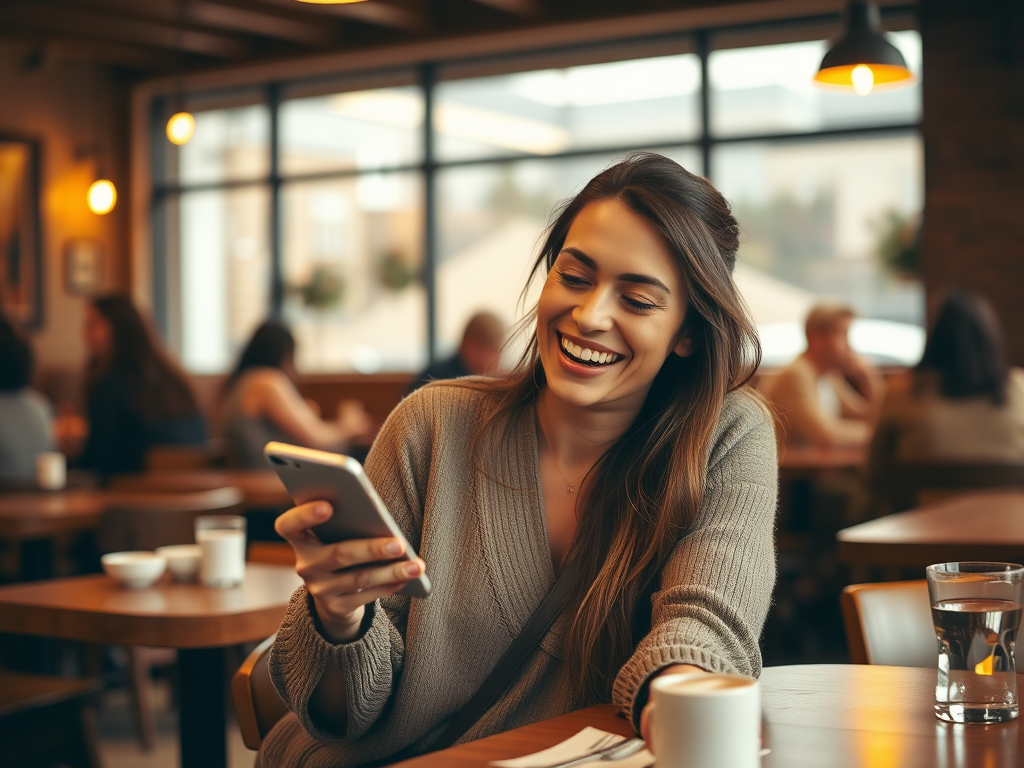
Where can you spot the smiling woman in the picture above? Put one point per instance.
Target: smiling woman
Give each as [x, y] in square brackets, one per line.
[624, 457]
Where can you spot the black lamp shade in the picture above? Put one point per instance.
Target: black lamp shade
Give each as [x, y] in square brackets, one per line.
[863, 45]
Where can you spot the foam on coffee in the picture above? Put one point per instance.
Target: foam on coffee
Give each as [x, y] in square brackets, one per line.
[702, 683]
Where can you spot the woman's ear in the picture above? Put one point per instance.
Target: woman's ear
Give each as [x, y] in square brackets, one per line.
[684, 347]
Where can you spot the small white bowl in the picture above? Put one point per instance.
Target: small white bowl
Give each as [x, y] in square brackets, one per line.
[134, 569]
[182, 560]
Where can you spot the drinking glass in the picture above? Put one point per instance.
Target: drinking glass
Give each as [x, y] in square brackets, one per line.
[221, 539]
[976, 609]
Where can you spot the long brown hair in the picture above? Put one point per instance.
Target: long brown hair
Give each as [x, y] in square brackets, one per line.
[648, 486]
[157, 389]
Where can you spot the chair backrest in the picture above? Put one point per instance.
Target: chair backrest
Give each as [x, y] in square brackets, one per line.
[257, 702]
[208, 455]
[148, 521]
[910, 485]
[890, 624]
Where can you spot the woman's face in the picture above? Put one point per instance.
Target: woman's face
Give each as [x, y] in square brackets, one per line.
[611, 310]
[98, 333]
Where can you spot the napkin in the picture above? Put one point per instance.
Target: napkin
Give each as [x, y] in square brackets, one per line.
[575, 747]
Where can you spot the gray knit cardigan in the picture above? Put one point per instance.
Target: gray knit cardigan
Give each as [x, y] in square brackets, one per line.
[484, 540]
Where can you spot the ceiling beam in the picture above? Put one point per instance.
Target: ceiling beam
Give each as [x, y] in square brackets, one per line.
[527, 9]
[53, 47]
[243, 16]
[376, 12]
[77, 22]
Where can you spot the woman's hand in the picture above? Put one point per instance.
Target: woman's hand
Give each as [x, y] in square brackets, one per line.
[343, 578]
[646, 714]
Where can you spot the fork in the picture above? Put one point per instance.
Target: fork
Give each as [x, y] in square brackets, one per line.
[618, 751]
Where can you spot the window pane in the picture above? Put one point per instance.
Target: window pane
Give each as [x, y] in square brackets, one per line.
[492, 221]
[621, 104]
[352, 260]
[224, 267]
[228, 144]
[345, 131]
[769, 89]
[814, 215]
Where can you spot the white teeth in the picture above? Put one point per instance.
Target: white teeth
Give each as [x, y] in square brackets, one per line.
[602, 357]
[587, 355]
[577, 351]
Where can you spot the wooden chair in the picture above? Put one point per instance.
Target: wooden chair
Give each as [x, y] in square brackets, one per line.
[890, 623]
[257, 702]
[146, 522]
[910, 485]
[46, 722]
[271, 552]
[208, 455]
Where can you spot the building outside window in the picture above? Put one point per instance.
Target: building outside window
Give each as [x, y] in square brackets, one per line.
[331, 230]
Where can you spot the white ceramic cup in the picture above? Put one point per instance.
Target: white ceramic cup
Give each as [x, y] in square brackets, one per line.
[51, 470]
[706, 721]
[221, 539]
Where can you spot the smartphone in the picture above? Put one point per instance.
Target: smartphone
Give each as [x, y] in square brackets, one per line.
[359, 513]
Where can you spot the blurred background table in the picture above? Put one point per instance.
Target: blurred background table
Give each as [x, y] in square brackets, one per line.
[197, 621]
[976, 526]
[261, 488]
[841, 716]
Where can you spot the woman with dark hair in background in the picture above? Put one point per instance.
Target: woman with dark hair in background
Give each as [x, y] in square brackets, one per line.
[961, 403]
[25, 416]
[262, 404]
[137, 397]
[626, 452]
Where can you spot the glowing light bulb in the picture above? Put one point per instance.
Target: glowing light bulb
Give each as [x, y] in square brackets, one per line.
[102, 196]
[180, 128]
[863, 79]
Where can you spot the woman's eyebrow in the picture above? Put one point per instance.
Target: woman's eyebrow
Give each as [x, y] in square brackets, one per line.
[629, 277]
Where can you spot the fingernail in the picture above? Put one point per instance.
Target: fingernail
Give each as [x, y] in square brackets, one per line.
[322, 510]
[412, 569]
[393, 548]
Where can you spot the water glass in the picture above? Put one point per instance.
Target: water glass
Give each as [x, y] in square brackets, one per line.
[976, 609]
[221, 539]
[51, 470]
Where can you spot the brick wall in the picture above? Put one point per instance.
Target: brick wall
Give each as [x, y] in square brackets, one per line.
[973, 129]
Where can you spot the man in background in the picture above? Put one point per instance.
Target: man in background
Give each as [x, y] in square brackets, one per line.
[829, 396]
[479, 352]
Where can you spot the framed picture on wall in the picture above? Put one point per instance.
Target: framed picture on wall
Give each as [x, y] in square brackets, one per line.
[21, 263]
[83, 266]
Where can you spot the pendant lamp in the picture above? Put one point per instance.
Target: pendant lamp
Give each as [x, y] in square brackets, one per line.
[182, 125]
[863, 59]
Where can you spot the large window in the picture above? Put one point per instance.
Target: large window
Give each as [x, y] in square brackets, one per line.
[376, 229]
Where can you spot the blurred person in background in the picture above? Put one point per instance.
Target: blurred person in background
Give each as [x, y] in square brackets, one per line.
[25, 416]
[136, 395]
[962, 403]
[828, 397]
[261, 404]
[479, 353]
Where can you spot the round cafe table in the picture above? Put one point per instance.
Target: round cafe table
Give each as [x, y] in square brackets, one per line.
[815, 716]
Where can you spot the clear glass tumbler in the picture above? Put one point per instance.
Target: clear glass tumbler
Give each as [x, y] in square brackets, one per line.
[976, 609]
[221, 539]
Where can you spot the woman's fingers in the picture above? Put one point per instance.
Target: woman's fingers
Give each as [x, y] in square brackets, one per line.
[347, 554]
[355, 585]
[293, 526]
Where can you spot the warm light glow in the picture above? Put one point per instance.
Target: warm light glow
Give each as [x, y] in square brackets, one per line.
[844, 78]
[863, 79]
[180, 128]
[102, 196]
[984, 667]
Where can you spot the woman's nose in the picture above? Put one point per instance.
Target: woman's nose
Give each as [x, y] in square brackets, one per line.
[593, 313]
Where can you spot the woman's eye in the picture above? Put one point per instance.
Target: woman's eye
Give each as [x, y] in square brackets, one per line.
[571, 280]
[637, 304]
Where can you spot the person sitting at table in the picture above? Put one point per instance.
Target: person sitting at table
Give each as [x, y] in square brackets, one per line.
[261, 404]
[626, 452]
[479, 352]
[961, 403]
[25, 416]
[137, 396]
[813, 394]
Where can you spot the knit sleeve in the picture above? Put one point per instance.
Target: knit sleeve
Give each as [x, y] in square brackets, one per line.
[371, 664]
[716, 587]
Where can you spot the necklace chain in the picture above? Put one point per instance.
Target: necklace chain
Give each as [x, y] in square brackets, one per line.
[568, 485]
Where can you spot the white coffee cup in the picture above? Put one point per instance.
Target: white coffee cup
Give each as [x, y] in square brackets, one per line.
[705, 720]
[221, 539]
[51, 470]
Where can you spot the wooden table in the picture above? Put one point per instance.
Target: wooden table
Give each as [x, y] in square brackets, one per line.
[261, 488]
[977, 526]
[840, 716]
[197, 621]
[27, 515]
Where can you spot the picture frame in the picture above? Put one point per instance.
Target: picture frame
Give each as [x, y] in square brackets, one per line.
[83, 266]
[21, 252]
